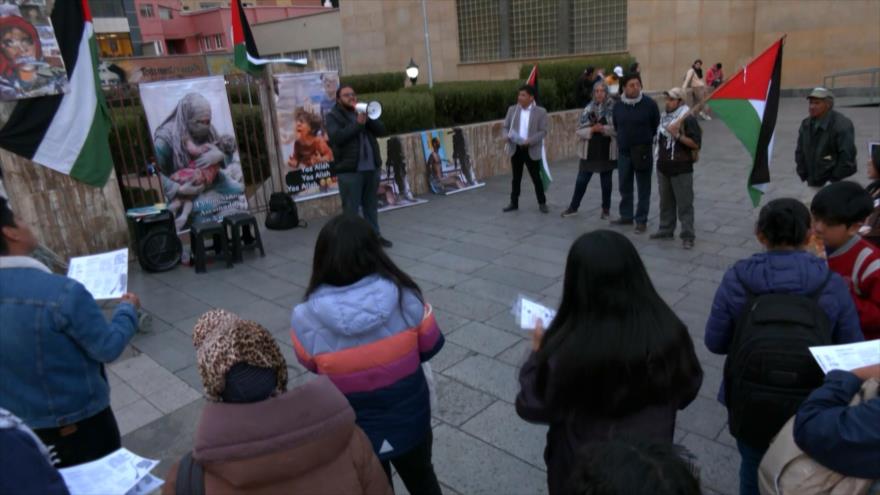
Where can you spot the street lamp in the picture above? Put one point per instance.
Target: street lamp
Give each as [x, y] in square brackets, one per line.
[412, 71]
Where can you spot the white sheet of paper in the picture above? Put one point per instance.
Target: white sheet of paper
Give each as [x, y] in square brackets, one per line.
[114, 474]
[147, 485]
[104, 275]
[847, 356]
[514, 136]
[530, 312]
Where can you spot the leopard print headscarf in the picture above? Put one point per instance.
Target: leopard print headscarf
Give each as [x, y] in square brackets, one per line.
[223, 340]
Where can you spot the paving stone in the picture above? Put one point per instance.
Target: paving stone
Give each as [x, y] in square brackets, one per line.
[167, 438]
[532, 265]
[121, 394]
[719, 464]
[488, 375]
[482, 338]
[172, 349]
[454, 262]
[219, 294]
[515, 278]
[703, 416]
[712, 377]
[262, 284]
[701, 287]
[172, 397]
[499, 425]
[274, 317]
[457, 403]
[516, 354]
[439, 276]
[192, 378]
[505, 321]
[449, 322]
[501, 293]
[135, 415]
[488, 240]
[473, 251]
[543, 253]
[295, 272]
[465, 305]
[449, 355]
[411, 251]
[471, 466]
[169, 304]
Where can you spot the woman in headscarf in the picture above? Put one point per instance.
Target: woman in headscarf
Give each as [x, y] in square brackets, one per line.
[23, 72]
[597, 149]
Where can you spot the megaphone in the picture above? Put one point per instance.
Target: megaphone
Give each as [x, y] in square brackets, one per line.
[373, 109]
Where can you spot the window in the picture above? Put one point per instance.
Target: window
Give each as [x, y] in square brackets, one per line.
[209, 5]
[326, 59]
[165, 13]
[203, 43]
[218, 41]
[479, 30]
[598, 26]
[146, 10]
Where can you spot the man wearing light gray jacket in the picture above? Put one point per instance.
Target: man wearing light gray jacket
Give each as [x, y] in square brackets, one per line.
[526, 126]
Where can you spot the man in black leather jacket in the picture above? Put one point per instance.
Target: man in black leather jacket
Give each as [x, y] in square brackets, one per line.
[826, 150]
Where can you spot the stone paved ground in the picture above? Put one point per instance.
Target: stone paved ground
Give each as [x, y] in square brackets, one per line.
[471, 261]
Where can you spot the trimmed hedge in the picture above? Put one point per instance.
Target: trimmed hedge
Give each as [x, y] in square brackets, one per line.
[567, 72]
[381, 82]
[404, 111]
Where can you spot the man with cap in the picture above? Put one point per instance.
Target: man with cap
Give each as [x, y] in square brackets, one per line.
[826, 150]
[678, 135]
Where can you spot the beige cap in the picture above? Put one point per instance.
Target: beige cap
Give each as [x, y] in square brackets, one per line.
[821, 93]
[675, 93]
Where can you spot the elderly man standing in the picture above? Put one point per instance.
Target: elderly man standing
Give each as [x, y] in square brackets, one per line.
[826, 150]
[526, 126]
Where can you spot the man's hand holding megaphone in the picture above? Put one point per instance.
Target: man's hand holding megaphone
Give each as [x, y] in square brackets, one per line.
[373, 110]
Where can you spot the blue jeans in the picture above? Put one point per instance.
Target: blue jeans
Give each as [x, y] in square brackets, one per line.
[625, 175]
[580, 187]
[750, 459]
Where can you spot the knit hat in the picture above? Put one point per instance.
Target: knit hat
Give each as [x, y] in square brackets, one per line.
[222, 341]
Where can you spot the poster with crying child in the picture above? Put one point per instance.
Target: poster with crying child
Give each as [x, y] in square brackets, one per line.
[196, 152]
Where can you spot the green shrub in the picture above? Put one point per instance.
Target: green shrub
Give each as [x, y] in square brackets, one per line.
[382, 82]
[404, 111]
[566, 73]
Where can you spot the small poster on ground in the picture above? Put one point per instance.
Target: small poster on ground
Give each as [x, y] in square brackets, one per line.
[196, 151]
[30, 59]
[301, 102]
[104, 275]
[394, 188]
[448, 174]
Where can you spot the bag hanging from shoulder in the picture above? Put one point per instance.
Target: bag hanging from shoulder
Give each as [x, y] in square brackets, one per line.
[786, 469]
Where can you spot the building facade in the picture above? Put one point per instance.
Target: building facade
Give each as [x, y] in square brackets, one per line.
[116, 29]
[318, 39]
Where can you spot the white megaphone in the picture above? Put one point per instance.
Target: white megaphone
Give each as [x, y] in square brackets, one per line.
[373, 109]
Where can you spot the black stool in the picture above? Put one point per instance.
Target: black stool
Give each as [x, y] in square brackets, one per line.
[242, 238]
[208, 230]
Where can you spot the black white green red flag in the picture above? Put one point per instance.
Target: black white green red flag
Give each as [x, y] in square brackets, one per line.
[748, 103]
[245, 53]
[546, 178]
[67, 132]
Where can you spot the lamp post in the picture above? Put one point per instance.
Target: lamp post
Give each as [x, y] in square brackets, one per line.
[412, 71]
[428, 45]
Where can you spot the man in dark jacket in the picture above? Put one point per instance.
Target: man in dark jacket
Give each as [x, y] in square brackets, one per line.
[636, 118]
[357, 161]
[826, 150]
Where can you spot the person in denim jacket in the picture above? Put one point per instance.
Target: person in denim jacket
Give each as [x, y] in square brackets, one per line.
[53, 343]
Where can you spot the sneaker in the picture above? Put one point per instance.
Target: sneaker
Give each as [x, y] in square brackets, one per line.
[569, 213]
[641, 228]
[510, 207]
[706, 116]
[620, 221]
[605, 214]
[687, 243]
[661, 235]
[385, 242]
[544, 208]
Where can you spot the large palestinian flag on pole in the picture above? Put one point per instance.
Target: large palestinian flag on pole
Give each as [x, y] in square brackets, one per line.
[246, 56]
[67, 132]
[546, 178]
[748, 104]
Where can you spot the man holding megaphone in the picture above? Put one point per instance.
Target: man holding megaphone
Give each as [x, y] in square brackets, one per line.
[353, 128]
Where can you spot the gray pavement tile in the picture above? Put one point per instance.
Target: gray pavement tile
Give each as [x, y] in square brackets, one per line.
[140, 281]
[292, 299]
[192, 378]
[504, 321]
[707, 274]
[172, 349]
[488, 375]
[532, 265]
[543, 253]
[186, 325]
[273, 316]
[499, 426]
[515, 278]
[558, 243]
[668, 282]
[671, 297]
[711, 381]
[169, 304]
[219, 294]
[719, 464]
[449, 355]
[487, 470]
[485, 238]
[465, 305]
[121, 394]
[172, 397]
[449, 322]
[501, 293]
[725, 437]
[411, 251]
[295, 272]
[167, 438]
[457, 403]
[482, 338]
[135, 415]
[701, 287]
[451, 261]
[516, 354]
[262, 284]
[132, 368]
[703, 416]
[473, 251]
[440, 276]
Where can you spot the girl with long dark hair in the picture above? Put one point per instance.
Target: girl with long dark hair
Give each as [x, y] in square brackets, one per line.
[616, 361]
[365, 325]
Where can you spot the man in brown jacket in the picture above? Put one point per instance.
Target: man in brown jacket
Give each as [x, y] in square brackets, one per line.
[254, 437]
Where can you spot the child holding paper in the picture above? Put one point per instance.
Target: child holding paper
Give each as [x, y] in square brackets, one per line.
[615, 361]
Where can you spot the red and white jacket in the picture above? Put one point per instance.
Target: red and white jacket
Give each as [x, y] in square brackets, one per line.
[858, 262]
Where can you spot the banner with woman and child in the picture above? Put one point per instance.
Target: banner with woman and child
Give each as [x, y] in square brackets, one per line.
[301, 101]
[196, 152]
[448, 174]
[30, 59]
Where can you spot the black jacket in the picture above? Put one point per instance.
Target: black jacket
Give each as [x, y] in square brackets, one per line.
[635, 124]
[345, 139]
[681, 160]
[829, 153]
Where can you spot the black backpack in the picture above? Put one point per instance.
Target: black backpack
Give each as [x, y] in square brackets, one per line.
[283, 214]
[769, 371]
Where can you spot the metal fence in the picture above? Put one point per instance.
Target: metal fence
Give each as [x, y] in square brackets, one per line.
[134, 157]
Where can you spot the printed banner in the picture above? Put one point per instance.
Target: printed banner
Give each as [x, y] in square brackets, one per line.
[448, 174]
[301, 101]
[116, 71]
[394, 189]
[196, 152]
[30, 60]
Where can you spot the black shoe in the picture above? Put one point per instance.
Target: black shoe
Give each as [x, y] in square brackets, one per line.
[569, 213]
[510, 207]
[621, 221]
[385, 242]
[687, 243]
[544, 208]
[605, 214]
[641, 228]
[661, 235]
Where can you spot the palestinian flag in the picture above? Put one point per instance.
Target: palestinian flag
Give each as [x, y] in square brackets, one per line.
[67, 132]
[246, 56]
[546, 178]
[748, 104]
